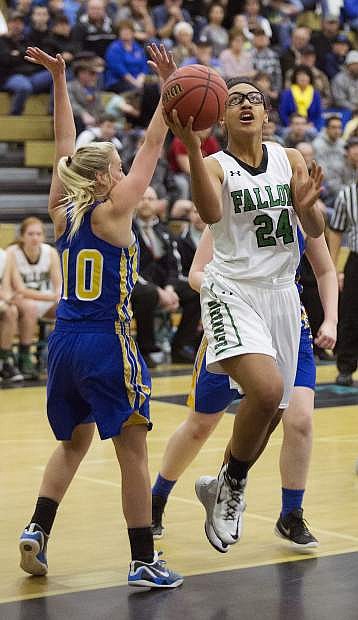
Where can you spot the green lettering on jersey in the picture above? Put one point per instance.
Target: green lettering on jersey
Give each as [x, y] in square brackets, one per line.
[249, 204]
[260, 204]
[274, 202]
[281, 194]
[287, 189]
[237, 199]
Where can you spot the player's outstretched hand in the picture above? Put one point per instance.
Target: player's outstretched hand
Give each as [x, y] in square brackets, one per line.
[55, 65]
[326, 335]
[306, 191]
[184, 133]
[162, 61]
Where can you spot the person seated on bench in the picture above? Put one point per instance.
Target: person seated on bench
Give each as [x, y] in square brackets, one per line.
[36, 278]
[8, 324]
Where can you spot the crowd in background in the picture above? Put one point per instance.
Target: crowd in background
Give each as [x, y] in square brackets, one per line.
[299, 52]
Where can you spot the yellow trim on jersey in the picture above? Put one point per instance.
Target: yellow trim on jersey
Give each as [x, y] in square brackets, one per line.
[196, 373]
[127, 370]
[138, 379]
[128, 347]
[123, 291]
[134, 419]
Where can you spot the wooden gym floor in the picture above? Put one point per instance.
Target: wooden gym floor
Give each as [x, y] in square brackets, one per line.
[260, 578]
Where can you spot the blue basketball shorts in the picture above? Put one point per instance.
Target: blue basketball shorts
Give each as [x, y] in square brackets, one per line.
[211, 393]
[95, 375]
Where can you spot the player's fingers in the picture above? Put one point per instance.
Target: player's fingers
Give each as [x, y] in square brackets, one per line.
[153, 65]
[164, 53]
[189, 124]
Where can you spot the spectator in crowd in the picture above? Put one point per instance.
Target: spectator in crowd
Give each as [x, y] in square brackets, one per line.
[350, 13]
[235, 60]
[55, 8]
[298, 131]
[126, 61]
[138, 12]
[269, 130]
[85, 95]
[122, 109]
[71, 9]
[165, 16]
[204, 56]
[267, 61]
[17, 76]
[321, 82]
[263, 82]
[39, 26]
[94, 30]
[214, 32]
[161, 285]
[292, 56]
[336, 58]
[8, 324]
[254, 20]
[184, 46]
[36, 278]
[345, 220]
[104, 131]
[301, 97]
[345, 83]
[179, 217]
[351, 127]
[323, 38]
[178, 159]
[188, 241]
[350, 174]
[329, 153]
[59, 40]
[24, 7]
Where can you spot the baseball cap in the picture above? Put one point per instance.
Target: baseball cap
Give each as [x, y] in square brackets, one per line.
[331, 18]
[341, 38]
[352, 57]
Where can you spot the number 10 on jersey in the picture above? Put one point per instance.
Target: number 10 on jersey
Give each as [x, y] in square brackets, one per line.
[88, 274]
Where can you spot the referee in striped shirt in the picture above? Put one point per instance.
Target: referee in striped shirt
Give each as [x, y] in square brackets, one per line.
[345, 220]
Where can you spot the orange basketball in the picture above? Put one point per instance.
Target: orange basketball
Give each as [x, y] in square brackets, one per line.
[198, 91]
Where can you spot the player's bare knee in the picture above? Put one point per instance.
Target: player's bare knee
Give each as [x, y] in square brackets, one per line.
[202, 428]
[300, 424]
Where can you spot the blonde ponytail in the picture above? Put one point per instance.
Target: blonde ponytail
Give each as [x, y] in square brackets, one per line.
[79, 177]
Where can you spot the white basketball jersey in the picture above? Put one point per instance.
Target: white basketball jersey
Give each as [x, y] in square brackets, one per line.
[256, 239]
[35, 275]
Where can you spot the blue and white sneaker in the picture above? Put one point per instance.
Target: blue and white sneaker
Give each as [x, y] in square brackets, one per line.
[33, 543]
[153, 575]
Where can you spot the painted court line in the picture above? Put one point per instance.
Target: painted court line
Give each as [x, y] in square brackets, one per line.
[248, 514]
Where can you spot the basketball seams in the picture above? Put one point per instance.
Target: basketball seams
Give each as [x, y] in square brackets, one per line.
[206, 109]
[197, 115]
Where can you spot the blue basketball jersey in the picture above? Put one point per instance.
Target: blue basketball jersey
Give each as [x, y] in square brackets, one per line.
[95, 371]
[97, 276]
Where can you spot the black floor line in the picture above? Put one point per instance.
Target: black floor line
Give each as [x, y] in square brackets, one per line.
[313, 589]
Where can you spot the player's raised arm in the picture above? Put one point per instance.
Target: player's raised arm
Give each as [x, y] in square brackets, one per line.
[206, 175]
[64, 126]
[203, 255]
[306, 189]
[133, 186]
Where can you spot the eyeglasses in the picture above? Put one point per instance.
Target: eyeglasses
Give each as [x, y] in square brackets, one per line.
[254, 97]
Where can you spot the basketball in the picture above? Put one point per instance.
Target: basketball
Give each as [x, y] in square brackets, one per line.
[198, 91]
